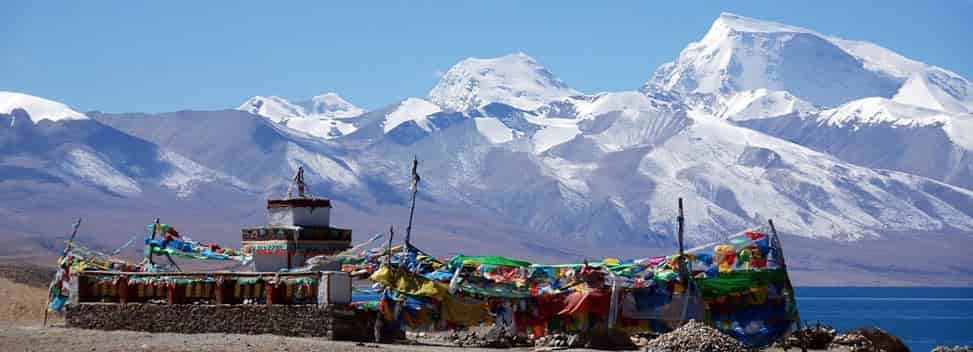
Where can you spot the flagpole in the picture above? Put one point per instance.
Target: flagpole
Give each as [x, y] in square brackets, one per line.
[412, 210]
[64, 254]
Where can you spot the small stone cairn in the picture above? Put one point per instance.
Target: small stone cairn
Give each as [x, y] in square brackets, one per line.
[695, 336]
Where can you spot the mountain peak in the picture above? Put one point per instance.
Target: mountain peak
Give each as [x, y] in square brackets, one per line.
[331, 105]
[747, 24]
[512, 58]
[272, 107]
[740, 53]
[330, 97]
[328, 105]
[37, 108]
[515, 79]
[410, 109]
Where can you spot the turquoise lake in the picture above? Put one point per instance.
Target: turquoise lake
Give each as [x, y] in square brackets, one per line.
[923, 317]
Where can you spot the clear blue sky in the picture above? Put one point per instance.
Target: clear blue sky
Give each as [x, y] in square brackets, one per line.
[120, 56]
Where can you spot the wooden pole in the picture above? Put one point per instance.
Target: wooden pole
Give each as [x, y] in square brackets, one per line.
[149, 255]
[388, 260]
[681, 221]
[783, 265]
[173, 262]
[684, 274]
[412, 210]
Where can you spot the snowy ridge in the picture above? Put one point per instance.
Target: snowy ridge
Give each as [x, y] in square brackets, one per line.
[326, 116]
[411, 109]
[38, 108]
[321, 127]
[575, 113]
[628, 101]
[826, 195]
[186, 175]
[494, 130]
[884, 134]
[763, 103]
[877, 58]
[937, 89]
[866, 112]
[516, 80]
[321, 168]
[875, 111]
[275, 108]
[95, 170]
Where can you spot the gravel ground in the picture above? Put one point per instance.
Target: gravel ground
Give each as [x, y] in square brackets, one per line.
[35, 338]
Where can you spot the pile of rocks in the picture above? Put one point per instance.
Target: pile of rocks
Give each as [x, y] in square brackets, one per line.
[869, 339]
[695, 336]
[486, 336]
[817, 337]
[642, 339]
[854, 342]
[560, 341]
[599, 338]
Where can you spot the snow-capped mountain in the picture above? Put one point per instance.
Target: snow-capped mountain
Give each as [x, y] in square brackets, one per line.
[272, 152]
[841, 142]
[327, 115]
[37, 108]
[777, 79]
[69, 146]
[516, 80]
[740, 54]
[615, 180]
[884, 134]
[328, 105]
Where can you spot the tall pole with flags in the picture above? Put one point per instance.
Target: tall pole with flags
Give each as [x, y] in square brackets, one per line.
[415, 189]
[54, 288]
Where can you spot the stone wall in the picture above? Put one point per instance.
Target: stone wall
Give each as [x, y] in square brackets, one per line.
[291, 320]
